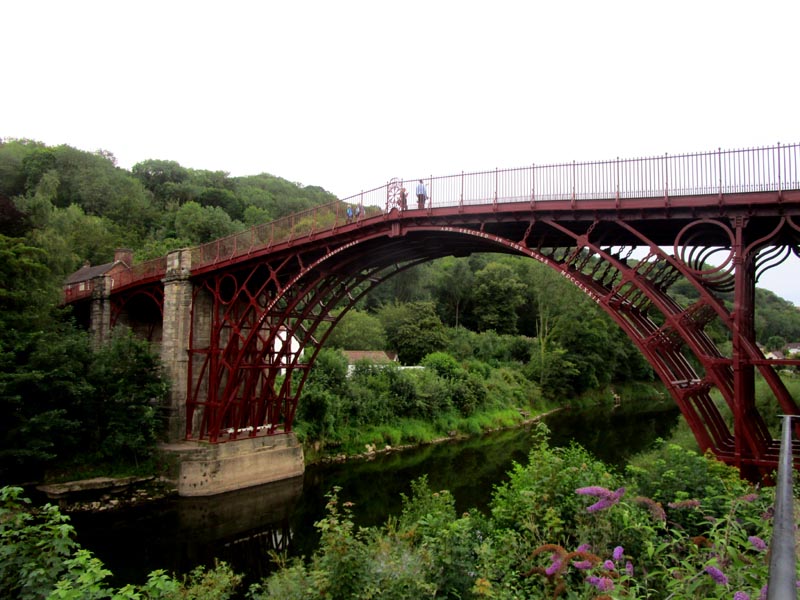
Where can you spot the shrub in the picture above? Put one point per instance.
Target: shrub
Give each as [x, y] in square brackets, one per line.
[444, 365]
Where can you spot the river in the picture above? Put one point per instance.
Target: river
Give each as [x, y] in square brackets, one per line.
[177, 534]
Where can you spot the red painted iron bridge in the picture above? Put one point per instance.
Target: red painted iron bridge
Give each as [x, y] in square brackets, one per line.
[238, 319]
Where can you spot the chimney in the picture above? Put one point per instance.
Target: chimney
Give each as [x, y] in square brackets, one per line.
[124, 255]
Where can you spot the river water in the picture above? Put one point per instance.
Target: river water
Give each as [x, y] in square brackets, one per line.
[240, 528]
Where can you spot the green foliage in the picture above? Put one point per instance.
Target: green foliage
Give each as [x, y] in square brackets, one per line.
[672, 474]
[59, 400]
[39, 558]
[499, 294]
[414, 329]
[562, 526]
[12, 156]
[553, 371]
[202, 224]
[548, 536]
[358, 330]
[386, 404]
[444, 365]
[540, 498]
[33, 546]
[26, 292]
[452, 284]
[128, 390]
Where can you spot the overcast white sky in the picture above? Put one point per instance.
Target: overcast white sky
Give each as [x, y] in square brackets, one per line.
[347, 95]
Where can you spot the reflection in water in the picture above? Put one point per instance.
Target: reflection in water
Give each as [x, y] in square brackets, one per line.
[178, 534]
[242, 527]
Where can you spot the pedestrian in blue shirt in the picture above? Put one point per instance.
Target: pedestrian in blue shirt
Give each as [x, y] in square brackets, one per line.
[422, 194]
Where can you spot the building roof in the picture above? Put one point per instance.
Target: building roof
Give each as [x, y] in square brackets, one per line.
[88, 272]
[375, 356]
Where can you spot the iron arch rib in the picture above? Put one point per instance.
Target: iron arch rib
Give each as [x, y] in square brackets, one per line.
[266, 329]
[253, 371]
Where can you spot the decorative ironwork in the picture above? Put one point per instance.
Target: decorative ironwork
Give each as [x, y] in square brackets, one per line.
[622, 231]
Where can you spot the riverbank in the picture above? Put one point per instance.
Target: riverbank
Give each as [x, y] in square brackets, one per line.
[371, 450]
[407, 433]
[100, 494]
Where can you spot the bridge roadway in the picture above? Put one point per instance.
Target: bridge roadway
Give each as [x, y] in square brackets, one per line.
[238, 319]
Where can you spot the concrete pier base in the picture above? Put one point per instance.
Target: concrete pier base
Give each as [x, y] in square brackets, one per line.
[209, 469]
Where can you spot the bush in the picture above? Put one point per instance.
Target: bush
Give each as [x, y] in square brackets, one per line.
[671, 474]
[128, 389]
[444, 365]
[39, 558]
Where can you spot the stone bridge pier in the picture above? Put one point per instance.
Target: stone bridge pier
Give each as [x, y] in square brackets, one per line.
[202, 468]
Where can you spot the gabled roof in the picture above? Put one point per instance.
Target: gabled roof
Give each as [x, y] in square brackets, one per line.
[376, 356]
[88, 272]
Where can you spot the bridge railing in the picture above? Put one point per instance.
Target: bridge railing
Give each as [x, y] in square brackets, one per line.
[149, 269]
[717, 172]
[295, 226]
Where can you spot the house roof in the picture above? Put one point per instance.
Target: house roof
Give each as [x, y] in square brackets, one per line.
[88, 272]
[376, 356]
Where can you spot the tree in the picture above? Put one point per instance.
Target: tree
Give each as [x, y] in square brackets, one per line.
[13, 222]
[26, 291]
[413, 329]
[453, 282]
[498, 294]
[358, 330]
[129, 388]
[202, 224]
[155, 175]
[12, 155]
[99, 187]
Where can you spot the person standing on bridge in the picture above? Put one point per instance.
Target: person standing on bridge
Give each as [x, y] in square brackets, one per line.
[422, 194]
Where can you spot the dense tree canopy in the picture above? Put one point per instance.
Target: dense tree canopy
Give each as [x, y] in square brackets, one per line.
[84, 205]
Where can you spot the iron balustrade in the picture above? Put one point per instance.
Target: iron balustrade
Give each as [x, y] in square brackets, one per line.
[719, 172]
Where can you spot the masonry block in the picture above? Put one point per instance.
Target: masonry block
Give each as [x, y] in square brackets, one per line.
[208, 469]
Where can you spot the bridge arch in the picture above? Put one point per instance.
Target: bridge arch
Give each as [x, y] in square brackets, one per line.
[622, 231]
[262, 375]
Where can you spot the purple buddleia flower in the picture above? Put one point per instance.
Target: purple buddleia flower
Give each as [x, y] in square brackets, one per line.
[758, 543]
[584, 548]
[654, 507]
[629, 568]
[600, 505]
[606, 584]
[763, 593]
[741, 596]
[718, 576]
[607, 497]
[582, 565]
[595, 490]
[554, 567]
[609, 565]
[618, 553]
